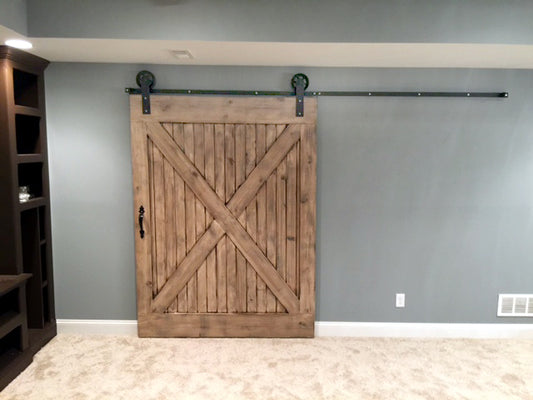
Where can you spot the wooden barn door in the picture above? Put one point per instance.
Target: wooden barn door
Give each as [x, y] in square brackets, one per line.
[228, 191]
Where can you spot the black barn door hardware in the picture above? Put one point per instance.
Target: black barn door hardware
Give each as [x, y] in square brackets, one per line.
[141, 219]
[146, 80]
[299, 82]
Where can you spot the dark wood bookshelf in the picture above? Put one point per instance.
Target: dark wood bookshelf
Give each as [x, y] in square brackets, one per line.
[29, 158]
[32, 203]
[29, 111]
[27, 315]
[10, 282]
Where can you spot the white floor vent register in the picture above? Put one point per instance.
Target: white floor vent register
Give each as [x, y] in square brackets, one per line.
[515, 305]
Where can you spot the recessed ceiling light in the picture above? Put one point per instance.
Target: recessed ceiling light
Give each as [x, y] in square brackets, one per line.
[19, 44]
[182, 54]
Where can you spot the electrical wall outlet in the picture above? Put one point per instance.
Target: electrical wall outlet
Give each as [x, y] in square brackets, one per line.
[400, 300]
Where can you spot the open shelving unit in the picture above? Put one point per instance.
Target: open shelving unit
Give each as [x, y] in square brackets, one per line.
[27, 316]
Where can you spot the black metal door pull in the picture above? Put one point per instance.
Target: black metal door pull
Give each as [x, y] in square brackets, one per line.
[141, 218]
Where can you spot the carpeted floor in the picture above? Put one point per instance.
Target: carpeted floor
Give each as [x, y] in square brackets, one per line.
[110, 367]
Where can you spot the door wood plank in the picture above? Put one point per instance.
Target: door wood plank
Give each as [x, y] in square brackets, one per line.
[190, 212]
[292, 222]
[224, 217]
[181, 247]
[151, 216]
[251, 219]
[227, 325]
[240, 176]
[210, 178]
[261, 216]
[199, 162]
[170, 226]
[307, 219]
[177, 134]
[297, 241]
[281, 219]
[141, 186]
[231, 267]
[220, 188]
[271, 218]
[225, 110]
[159, 212]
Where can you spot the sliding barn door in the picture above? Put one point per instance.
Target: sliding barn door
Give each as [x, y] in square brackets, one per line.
[227, 186]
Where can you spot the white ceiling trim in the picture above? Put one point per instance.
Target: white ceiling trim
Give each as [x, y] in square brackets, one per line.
[391, 55]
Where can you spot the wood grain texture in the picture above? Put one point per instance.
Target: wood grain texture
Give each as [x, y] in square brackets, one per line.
[186, 272]
[251, 219]
[231, 219]
[141, 197]
[190, 212]
[224, 217]
[179, 186]
[228, 110]
[307, 219]
[210, 179]
[291, 219]
[240, 176]
[270, 194]
[243, 196]
[231, 262]
[151, 216]
[227, 325]
[199, 163]
[220, 189]
[281, 220]
[159, 226]
[170, 222]
[260, 149]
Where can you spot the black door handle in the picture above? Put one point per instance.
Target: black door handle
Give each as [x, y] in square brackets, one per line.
[141, 218]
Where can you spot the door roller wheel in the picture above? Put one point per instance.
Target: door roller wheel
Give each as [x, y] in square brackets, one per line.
[298, 78]
[145, 78]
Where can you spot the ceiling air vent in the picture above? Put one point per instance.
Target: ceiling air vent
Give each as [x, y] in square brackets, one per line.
[515, 305]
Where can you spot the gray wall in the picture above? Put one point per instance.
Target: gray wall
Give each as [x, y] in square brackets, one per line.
[13, 15]
[451, 21]
[431, 197]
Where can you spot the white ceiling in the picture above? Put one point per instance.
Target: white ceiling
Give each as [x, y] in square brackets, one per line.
[408, 55]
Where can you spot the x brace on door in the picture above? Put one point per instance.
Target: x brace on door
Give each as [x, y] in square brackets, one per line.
[225, 216]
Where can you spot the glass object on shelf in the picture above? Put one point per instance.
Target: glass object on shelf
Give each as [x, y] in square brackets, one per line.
[24, 194]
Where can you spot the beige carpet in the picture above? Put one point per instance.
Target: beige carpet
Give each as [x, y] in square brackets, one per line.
[107, 367]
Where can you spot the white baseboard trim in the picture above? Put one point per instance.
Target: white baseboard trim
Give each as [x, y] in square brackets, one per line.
[97, 327]
[424, 330]
[334, 329]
